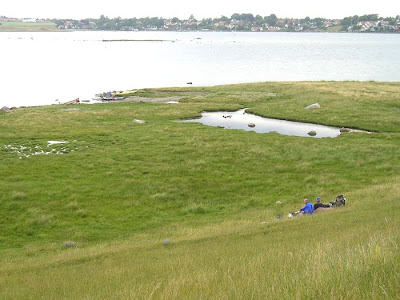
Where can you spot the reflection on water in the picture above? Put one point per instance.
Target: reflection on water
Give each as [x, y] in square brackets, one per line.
[242, 120]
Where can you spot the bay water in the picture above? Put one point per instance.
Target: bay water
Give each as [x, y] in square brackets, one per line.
[49, 68]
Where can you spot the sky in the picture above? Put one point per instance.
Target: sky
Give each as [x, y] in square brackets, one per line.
[81, 9]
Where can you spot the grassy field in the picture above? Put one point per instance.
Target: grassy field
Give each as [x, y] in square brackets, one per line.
[334, 28]
[170, 210]
[27, 27]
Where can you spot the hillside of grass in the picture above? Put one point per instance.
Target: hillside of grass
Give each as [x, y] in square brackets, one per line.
[334, 28]
[27, 27]
[171, 210]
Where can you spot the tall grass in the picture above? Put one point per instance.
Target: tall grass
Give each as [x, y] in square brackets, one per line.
[346, 253]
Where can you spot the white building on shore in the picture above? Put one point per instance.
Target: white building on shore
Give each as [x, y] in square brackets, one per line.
[29, 20]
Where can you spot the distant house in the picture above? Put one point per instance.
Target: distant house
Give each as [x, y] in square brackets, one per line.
[366, 25]
[272, 28]
[280, 22]
[220, 24]
[256, 28]
[9, 20]
[329, 23]
[191, 23]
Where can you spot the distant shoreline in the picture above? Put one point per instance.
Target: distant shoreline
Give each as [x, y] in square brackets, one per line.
[244, 22]
[16, 30]
[381, 25]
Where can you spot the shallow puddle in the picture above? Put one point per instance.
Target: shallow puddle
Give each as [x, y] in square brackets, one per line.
[249, 122]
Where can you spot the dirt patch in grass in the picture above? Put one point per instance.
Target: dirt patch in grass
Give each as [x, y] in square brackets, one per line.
[151, 100]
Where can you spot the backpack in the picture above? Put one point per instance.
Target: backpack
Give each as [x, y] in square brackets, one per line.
[340, 200]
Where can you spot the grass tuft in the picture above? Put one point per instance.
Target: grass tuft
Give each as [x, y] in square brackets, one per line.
[18, 196]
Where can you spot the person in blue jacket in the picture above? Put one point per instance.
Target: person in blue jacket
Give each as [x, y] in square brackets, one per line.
[308, 207]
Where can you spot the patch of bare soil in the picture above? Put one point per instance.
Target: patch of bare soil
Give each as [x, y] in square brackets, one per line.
[152, 100]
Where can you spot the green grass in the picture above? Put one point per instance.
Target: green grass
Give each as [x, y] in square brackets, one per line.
[27, 26]
[334, 28]
[120, 189]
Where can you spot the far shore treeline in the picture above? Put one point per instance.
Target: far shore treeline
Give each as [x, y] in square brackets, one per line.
[237, 22]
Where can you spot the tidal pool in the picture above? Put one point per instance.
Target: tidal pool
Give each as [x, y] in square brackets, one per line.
[242, 120]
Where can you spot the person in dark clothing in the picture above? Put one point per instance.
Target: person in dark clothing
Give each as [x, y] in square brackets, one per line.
[319, 204]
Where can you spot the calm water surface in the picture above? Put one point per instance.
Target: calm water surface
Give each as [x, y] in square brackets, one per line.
[38, 68]
[241, 120]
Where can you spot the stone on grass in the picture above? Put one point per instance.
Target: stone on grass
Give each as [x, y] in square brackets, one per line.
[5, 109]
[313, 106]
[138, 121]
[166, 242]
[69, 244]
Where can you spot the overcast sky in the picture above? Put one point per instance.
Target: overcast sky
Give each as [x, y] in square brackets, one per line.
[80, 9]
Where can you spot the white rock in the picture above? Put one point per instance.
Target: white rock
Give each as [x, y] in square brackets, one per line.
[69, 244]
[5, 109]
[312, 106]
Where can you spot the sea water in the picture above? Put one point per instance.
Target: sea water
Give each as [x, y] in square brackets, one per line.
[49, 68]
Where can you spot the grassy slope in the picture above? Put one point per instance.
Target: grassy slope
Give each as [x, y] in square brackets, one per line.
[127, 187]
[27, 27]
[334, 28]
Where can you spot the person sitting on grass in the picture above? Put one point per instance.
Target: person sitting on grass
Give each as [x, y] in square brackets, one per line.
[319, 204]
[308, 208]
